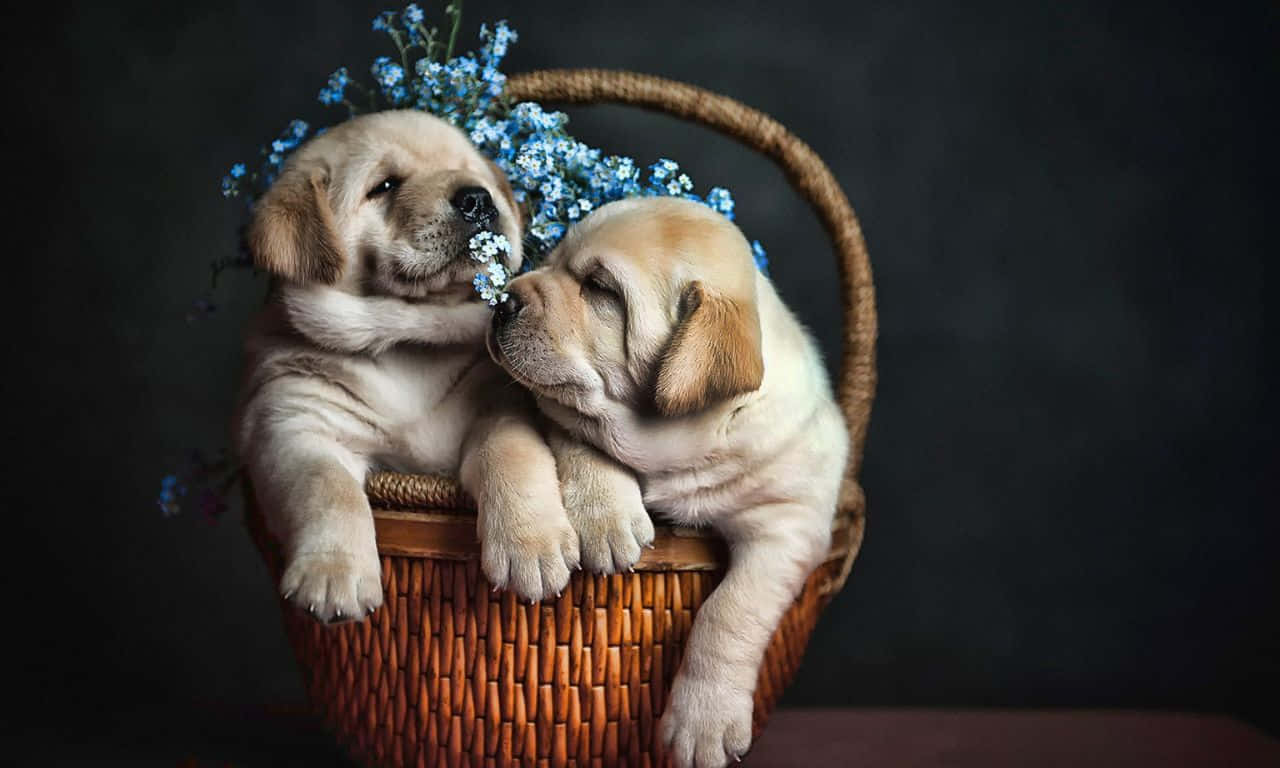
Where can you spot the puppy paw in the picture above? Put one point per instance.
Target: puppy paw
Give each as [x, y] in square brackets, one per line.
[607, 511]
[532, 556]
[334, 586]
[706, 725]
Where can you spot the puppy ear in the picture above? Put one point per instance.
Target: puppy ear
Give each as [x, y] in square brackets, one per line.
[504, 189]
[292, 234]
[715, 353]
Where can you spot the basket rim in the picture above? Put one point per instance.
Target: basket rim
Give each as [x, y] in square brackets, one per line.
[451, 535]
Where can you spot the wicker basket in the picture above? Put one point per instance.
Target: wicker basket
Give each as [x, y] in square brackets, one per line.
[449, 673]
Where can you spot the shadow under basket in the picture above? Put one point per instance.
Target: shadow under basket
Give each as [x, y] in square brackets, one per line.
[450, 673]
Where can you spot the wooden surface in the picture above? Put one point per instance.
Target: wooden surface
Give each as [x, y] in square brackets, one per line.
[795, 738]
[900, 738]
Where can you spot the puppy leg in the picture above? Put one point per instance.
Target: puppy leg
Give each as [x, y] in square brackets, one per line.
[312, 491]
[339, 321]
[604, 505]
[707, 721]
[526, 541]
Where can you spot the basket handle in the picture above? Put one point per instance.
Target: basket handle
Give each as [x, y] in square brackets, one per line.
[810, 178]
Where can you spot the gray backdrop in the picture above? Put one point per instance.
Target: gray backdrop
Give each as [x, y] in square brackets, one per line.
[1071, 462]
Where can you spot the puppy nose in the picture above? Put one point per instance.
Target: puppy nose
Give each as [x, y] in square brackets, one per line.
[475, 205]
[509, 308]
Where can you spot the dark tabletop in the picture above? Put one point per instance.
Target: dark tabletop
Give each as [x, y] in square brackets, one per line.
[795, 738]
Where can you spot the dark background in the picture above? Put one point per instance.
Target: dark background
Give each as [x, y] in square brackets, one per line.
[1071, 465]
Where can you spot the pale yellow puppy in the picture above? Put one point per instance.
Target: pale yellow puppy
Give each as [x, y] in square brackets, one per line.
[369, 354]
[650, 334]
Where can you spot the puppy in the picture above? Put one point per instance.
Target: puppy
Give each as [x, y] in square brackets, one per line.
[369, 354]
[650, 334]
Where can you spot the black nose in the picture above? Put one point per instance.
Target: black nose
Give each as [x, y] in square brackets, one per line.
[475, 205]
[509, 308]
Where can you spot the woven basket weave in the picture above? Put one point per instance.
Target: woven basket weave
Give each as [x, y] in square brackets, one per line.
[449, 673]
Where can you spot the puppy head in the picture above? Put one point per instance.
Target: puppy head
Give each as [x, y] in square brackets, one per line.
[384, 204]
[648, 303]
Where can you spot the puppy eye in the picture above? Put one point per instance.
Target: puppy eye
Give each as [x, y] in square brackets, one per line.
[383, 187]
[595, 282]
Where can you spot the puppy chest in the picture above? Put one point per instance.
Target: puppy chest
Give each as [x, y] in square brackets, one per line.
[430, 403]
[432, 444]
[697, 497]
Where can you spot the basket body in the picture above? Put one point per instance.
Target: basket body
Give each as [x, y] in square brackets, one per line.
[451, 673]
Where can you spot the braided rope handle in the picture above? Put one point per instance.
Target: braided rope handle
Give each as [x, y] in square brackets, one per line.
[812, 181]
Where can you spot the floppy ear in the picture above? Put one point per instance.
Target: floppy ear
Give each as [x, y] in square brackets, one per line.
[292, 234]
[504, 189]
[714, 354]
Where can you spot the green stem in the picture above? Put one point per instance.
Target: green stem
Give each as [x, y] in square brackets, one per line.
[454, 9]
[404, 59]
[475, 101]
[426, 38]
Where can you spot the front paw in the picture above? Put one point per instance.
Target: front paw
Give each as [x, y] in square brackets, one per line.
[607, 511]
[533, 556]
[334, 586]
[706, 724]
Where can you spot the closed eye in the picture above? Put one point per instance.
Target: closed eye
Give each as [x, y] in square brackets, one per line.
[599, 284]
[388, 184]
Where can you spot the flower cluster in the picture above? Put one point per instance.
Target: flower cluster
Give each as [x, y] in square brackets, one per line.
[206, 480]
[272, 161]
[491, 249]
[555, 177]
[171, 490]
[560, 179]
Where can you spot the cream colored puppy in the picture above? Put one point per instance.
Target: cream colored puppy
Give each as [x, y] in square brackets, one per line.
[650, 333]
[369, 354]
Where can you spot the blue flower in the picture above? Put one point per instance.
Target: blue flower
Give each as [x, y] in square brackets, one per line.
[660, 170]
[496, 42]
[547, 234]
[758, 255]
[387, 73]
[426, 67]
[237, 171]
[491, 250]
[721, 200]
[413, 14]
[335, 89]
[171, 488]
[383, 21]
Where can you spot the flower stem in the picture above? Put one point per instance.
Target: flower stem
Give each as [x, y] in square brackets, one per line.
[453, 9]
[404, 59]
[428, 38]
